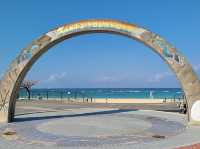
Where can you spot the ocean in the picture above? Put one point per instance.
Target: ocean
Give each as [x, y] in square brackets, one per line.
[140, 93]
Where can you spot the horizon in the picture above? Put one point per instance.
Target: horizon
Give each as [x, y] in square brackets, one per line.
[111, 88]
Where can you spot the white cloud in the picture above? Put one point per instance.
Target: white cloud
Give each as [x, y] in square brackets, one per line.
[110, 79]
[197, 67]
[1, 75]
[56, 77]
[159, 77]
[107, 79]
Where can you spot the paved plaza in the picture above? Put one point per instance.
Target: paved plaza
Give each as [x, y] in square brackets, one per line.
[89, 126]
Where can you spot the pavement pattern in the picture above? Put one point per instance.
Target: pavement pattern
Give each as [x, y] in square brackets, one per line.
[80, 126]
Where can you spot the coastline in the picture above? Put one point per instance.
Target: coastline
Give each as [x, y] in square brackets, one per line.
[106, 100]
[124, 100]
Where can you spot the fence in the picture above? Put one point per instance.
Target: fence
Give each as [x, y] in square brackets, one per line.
[56, 95]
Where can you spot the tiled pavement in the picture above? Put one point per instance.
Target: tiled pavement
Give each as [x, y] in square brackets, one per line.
[69, 128]
[194, 146]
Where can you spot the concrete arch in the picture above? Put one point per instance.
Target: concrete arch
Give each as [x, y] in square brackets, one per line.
[18, 69]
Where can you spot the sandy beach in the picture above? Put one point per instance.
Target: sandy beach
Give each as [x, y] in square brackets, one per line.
[116, 100]
[109, 100]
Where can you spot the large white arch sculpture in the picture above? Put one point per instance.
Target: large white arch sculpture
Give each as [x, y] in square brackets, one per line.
[9, 85]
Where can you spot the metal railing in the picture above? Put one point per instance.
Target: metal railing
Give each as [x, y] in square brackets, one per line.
[58, 95]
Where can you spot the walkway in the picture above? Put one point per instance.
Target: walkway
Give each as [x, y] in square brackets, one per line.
[81, 126]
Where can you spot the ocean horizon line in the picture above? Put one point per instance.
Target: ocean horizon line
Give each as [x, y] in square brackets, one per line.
[106, 88]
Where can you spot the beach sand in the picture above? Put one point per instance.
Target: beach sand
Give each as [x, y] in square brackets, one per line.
[110, 100]
[113, 100]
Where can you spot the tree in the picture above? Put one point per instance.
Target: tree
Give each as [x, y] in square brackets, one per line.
[27, 84]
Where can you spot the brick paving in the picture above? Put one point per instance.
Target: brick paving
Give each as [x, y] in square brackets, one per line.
[74, 130]
[60, 126]
[194, 146]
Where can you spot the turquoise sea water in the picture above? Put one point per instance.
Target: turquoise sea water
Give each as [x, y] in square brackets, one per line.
[157, 93]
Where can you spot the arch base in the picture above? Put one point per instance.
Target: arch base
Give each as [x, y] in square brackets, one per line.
[4, 117]
[194, 112]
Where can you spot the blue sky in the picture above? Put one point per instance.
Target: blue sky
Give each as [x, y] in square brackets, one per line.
[100, 60]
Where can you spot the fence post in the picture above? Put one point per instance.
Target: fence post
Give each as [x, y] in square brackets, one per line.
[47, 94]
[61, 95]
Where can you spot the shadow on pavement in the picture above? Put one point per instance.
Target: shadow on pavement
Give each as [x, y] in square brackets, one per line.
[24, 119]
[170, 110]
